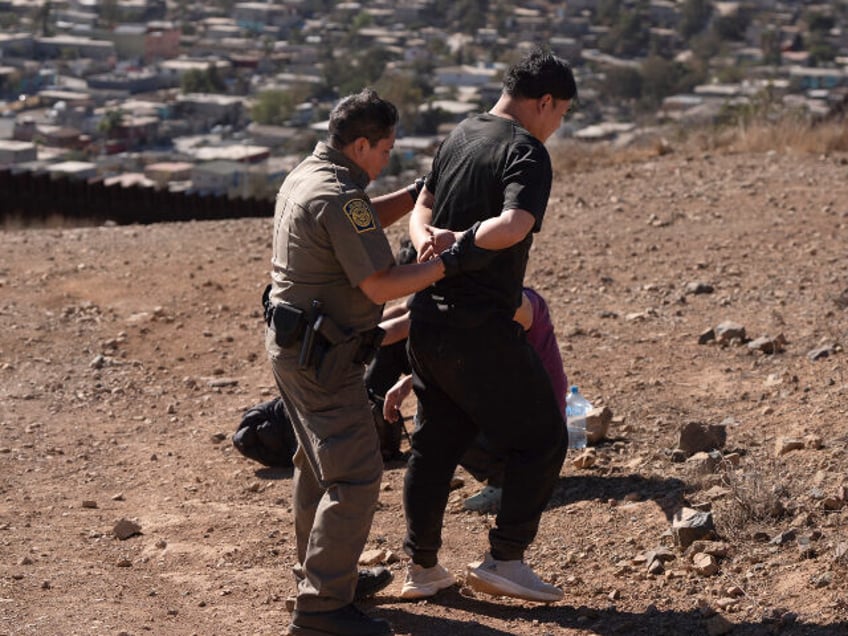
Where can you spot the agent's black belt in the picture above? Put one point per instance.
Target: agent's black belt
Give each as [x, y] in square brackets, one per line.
[317, 333]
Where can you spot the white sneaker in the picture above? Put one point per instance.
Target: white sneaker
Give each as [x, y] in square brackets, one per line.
[422, 582]
[486, 501]
[510, 578]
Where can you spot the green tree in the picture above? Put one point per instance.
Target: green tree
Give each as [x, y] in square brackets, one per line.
[630, 36]
[362, 20]
[821, 51]
[276, 107]
[203, 81]
[345, 75]
[109, 12]
[110, 122]
[770, 45]
[467, 15]
[623, 83]
[192, 81]
[694, 17]
[819, 22]
[42, 18]
[405, 93]
[733, 25]
[214, 81]
[608, 12]
[661, 78]
[705, 46]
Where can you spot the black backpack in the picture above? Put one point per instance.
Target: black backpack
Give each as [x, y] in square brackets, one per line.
[265, 435]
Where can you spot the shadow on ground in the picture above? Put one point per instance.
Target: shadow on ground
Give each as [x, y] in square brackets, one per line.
[551, 620]
[668, 493]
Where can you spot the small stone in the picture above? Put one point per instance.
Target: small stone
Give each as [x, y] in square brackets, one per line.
[728, 332]
[704, 564]
[655, 567]
[706, 336]
[125, 529]
[832, 503]
[584, 460]
[371, 558]
[814, 442]
[784, 445]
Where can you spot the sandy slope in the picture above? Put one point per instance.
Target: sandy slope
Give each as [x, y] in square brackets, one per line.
[127, 355]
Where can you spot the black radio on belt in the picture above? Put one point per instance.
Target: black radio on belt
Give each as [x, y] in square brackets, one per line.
[288, 321]
[289, 325]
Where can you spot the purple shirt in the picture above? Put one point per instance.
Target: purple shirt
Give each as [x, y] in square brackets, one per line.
[543, 340]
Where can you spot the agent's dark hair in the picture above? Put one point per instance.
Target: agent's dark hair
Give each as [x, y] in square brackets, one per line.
[363, 114]
[539, 73]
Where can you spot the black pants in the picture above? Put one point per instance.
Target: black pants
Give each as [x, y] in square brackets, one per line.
[487, 379]
[385, 369]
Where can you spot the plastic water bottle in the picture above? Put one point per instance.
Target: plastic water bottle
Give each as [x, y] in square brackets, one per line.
[576, 408]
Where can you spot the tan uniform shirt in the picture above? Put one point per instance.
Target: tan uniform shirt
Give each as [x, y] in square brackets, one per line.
[327, 239]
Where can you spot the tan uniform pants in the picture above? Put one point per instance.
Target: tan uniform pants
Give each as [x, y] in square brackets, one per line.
[337, 475]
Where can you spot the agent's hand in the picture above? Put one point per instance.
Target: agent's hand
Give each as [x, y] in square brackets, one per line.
[395, 397]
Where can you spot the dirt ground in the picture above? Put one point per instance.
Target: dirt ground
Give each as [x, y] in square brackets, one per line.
[128, 354]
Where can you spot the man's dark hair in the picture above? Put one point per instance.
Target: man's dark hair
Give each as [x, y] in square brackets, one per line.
[363, 114]
[539, 73]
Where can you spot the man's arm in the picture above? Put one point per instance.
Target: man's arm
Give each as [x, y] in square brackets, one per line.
[419, 220]
[505, 230]
[429, 241]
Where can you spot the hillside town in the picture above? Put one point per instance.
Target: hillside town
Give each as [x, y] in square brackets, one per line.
[224, 98]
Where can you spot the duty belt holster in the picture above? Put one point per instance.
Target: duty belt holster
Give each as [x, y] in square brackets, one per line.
[369, 344]
[324, 345]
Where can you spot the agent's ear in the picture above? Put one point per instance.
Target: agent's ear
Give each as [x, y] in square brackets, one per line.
[546, 101]
[361, 145]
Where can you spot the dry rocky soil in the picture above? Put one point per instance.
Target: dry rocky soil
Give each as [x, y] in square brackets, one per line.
[128, 355]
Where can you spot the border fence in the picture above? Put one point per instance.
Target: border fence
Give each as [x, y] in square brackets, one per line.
[32, 199]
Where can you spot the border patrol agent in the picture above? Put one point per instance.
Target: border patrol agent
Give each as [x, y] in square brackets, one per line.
[333, 269]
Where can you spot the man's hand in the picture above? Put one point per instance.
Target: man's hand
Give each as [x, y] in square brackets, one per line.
[395, 397]
[439, 240]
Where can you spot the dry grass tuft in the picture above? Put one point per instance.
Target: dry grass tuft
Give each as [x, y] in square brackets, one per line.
[791, 136]
[756, 497]
[580, 156]
[788, 134]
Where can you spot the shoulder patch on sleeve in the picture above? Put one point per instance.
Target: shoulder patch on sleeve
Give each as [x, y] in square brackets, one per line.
[359, 214]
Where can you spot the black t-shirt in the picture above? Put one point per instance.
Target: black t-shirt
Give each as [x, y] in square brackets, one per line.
[485, 166]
